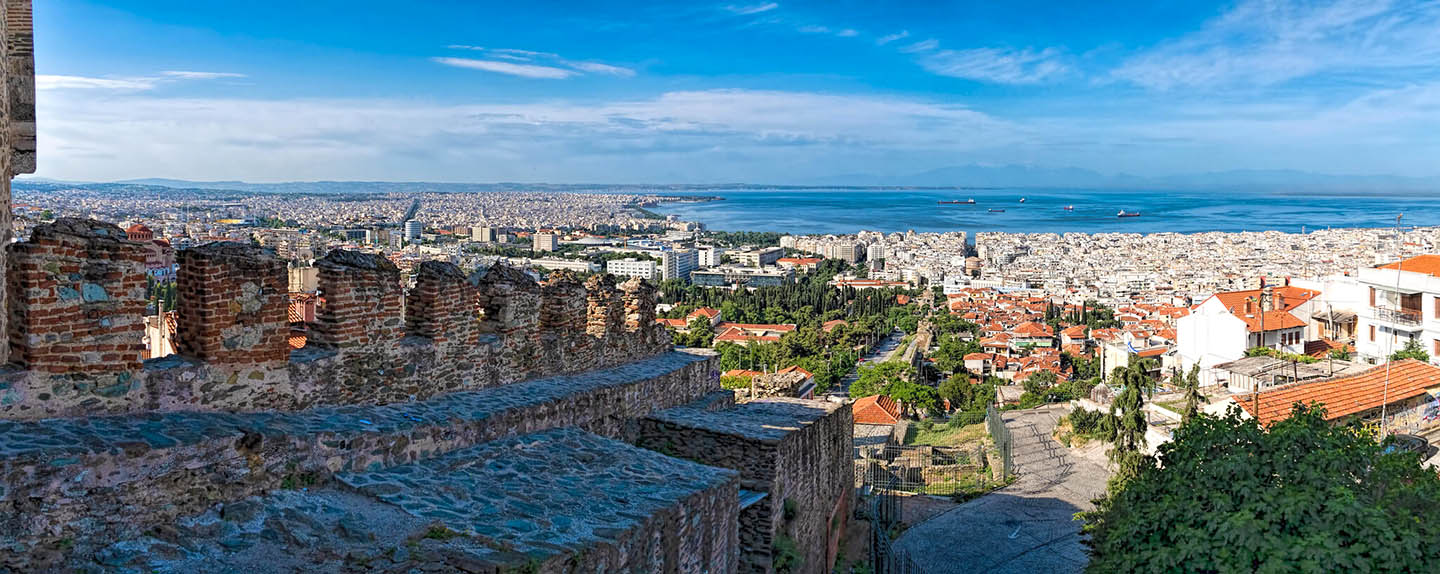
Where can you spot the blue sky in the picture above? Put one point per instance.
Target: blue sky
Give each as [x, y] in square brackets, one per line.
[777, 92]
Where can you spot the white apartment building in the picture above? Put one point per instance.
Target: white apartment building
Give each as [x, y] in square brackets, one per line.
[711, 256]
[631, 267]
[1222, 327]
[555, 264]
[759, 257]
[546, 242]
[482, 234]
[1402, 305]
[678, 263]
[413, 229]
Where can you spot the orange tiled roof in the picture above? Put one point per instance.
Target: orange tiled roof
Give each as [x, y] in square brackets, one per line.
[742, 373]
[1033, 329]
[672, 323]
[1321, 349]
[1426, 264]
[1076, 332]
[1346, 396]
[875, 410]
[796, 369]
[1274, 321]
[707, 312]
[1285, 298]
[977, 357]
[831, 324]
[297, 340]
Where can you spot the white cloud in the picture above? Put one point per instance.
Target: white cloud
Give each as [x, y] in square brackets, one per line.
[812, 29]
[901, 35]
[1268, 42]
[748, 9]
[542, 65]
[191, 75]
[993, 65]
[921, 46]
[598, 68]
[694, 135]
[847, 33]
[45, 82]
[508, 68]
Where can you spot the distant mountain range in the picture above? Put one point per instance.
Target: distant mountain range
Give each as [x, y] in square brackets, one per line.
[968, 176]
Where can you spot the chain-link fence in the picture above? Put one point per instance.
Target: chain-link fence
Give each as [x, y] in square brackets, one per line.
[1004, 443]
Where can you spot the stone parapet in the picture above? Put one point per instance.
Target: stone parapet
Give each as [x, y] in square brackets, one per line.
[233, 305]
[108, 477]
[76, 300]
[795, 451]
[76, 330]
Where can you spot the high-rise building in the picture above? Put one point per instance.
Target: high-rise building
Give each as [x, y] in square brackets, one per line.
[711, 256]
[546, 242]
[413, 228]
[875, 252]
[482, 234]
[678, 263]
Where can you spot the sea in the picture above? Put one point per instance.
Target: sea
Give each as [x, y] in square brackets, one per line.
[840, 211]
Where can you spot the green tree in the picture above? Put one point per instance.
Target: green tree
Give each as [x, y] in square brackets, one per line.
[1412, 350]
[1306, 496]
[1126, 424]
[874, 378]
[1039, 382]
[1193, 397]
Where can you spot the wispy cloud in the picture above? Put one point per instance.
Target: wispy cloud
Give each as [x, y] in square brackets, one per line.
[508, 68]
[748, 9]
[921, 46]
[901, 35]
[192, 75]
[539, 65]
[1269, 42]
[56, 82]
[992, 65]
[848, 33]
[50, 82]
[813, 29]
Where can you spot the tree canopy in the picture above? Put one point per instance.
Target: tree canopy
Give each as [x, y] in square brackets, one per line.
[1412, 350]
[1306, 496]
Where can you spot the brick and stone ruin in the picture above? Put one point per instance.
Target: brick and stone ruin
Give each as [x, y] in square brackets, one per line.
[474, 423]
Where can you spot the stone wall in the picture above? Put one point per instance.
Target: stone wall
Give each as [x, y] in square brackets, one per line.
[104, 477]
[796, 451]
[17, 123]
[76, 330]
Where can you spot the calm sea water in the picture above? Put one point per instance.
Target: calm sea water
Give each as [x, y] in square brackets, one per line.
[848, 211]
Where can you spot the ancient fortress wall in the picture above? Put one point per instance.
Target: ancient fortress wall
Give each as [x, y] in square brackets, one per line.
[77, 294]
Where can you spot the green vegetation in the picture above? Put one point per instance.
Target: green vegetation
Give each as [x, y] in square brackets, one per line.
[869, 315]
[1304, 496]
[921, 434]
[743, 238]
[1340, 354]
[1090, 314]
[1193, 398]
[1126, 425]
[1412, 350]
[1278, 354]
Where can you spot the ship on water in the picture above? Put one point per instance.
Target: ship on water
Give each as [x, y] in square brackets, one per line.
[1022, 200]
[1124, 213]
[1069, 208]
[997, 211]
[958, 202]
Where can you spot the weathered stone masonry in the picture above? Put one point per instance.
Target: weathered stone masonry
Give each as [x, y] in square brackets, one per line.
[79, 295]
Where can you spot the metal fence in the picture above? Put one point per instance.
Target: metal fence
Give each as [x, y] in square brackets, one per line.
[1004, 443]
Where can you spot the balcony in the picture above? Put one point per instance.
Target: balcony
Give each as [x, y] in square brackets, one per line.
[1409, 317]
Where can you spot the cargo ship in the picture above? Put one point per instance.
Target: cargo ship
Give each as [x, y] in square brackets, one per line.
[1124, 213]
[1069, 208]
[957, 202]
[997, 211]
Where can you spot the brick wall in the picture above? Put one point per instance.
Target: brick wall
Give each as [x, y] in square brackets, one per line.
[77, 296]
[363, 302]
[80, 292]
[233, 305]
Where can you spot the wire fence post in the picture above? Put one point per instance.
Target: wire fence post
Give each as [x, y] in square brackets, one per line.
[1003, 441]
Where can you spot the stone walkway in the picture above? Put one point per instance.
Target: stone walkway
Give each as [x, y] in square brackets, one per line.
[1026, 527]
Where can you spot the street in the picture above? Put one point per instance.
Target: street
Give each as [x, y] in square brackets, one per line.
[885, 351]
[1028, 526]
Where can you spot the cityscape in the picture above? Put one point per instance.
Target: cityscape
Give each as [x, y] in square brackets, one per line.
[325, 363]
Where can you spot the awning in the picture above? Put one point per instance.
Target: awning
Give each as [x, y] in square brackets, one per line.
[1334, 317]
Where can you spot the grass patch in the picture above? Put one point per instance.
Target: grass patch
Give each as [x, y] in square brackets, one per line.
[943, 435]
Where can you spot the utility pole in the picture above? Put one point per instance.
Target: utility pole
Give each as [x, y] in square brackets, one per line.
[1400, 262]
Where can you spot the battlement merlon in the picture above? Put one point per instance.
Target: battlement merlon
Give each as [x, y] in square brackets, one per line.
[76, 331]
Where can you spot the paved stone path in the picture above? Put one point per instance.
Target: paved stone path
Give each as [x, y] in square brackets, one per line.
[1028, 526]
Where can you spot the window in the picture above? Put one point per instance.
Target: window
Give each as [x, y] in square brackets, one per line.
[1436, 348]
[1372, 333]
[1372, 296]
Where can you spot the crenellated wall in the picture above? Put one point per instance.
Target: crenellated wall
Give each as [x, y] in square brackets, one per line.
[78, 294]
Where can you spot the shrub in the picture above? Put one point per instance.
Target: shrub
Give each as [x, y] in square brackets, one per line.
[966, 418]
[1085, 421]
